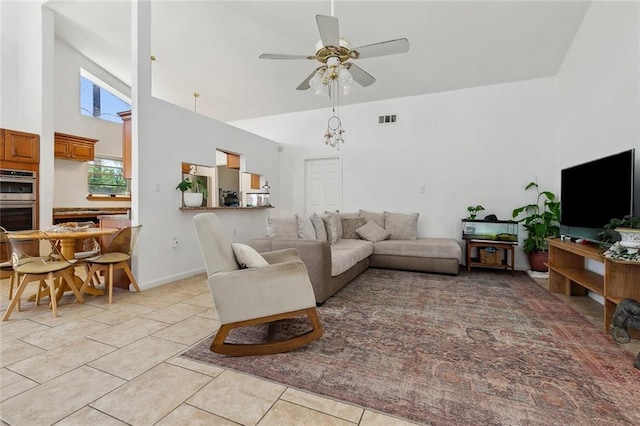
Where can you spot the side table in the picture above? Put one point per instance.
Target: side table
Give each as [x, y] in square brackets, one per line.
[501, 257]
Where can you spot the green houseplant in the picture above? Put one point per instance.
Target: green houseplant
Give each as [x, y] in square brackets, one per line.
[193, 191]
[541, 220]
[473, 211]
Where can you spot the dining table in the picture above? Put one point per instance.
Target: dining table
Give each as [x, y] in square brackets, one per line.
[67, 238]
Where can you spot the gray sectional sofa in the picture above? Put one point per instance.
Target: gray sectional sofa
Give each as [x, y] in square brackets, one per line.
[337, 247]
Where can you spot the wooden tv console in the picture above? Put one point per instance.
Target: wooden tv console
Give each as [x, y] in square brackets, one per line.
[568, 275]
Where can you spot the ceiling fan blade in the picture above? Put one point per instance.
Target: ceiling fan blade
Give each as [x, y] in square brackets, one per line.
[328, 29]
[362, 77]
[284, 56]
[390, 47]
[305, 84]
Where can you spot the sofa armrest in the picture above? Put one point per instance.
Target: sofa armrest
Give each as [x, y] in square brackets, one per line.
[279, 256]
[315, 254]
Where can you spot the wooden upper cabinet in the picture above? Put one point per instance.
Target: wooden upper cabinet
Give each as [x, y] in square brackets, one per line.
[126, 143]
[19, 147]
[72, 147]
[255, 181]
[233, 161]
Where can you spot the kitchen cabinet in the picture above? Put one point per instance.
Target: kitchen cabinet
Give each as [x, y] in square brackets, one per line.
[72, 147]
[19, 147]
[233, 161]
[126, 143]
[255, 181]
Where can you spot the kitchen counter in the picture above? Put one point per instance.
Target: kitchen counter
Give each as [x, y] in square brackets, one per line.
[66, 214]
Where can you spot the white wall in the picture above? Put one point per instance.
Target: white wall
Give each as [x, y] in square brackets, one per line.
[465, 147]
[164, 136]
[599, 88]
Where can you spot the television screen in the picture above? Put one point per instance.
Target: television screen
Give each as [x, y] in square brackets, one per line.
[593, 193]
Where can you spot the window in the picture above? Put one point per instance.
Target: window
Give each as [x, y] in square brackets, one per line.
[106, 177]
[98, 99]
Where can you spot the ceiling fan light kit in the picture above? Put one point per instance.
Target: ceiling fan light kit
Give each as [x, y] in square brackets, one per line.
[336, 74]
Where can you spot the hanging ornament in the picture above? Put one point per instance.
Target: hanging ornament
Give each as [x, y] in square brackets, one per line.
[333, 136]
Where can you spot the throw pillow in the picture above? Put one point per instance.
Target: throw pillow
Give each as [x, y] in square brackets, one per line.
[376, 217]
[318, 224]
[306, 231]
[349, 226]
[247, 257]
[401, 226]
[282, 227]
[336, 218]
[373, 232]
[331, 228]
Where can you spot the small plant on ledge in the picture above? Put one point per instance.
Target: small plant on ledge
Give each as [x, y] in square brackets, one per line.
[193, 190]
[473, 211]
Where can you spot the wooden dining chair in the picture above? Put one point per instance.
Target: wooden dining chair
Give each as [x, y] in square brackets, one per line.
[46, 267]
[6, 266]
[115, 256]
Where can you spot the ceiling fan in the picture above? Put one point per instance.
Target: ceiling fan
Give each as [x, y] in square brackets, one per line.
[334, 52]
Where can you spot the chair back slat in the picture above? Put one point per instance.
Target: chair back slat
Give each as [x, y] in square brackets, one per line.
[125, 240]
[215, 245]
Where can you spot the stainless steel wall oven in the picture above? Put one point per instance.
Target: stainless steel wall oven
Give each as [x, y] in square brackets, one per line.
[18, 199]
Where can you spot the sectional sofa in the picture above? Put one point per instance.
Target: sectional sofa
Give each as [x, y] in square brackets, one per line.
[337, 247]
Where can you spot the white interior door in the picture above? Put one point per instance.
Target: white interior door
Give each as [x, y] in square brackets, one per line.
[323, 185]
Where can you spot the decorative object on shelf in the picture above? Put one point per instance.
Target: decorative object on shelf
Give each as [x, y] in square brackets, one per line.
[627, 228]
[336, 74]
[266, 187]
[193, 189]
[626, 317]
[542, 221]
[230, 198]
[473, 211]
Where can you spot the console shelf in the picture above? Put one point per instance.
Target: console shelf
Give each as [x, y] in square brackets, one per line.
[568, 275]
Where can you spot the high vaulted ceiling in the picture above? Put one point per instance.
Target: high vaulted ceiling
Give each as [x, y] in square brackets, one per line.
[212, 47]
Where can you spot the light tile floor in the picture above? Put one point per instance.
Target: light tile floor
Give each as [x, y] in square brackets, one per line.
[117, 364]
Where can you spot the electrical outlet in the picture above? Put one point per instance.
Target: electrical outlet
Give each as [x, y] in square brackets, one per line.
[235, 233]
[174, 243]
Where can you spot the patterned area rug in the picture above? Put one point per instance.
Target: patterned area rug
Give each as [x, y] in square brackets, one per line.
[479, 348]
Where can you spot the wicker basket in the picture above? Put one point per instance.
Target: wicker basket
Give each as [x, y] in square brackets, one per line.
[490, 256]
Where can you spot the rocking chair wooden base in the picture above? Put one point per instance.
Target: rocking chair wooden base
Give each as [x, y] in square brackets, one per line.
[234, 349]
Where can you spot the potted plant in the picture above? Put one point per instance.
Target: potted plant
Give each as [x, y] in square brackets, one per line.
[541, 221]
[473, 211]
[628, 229]
[193, 191]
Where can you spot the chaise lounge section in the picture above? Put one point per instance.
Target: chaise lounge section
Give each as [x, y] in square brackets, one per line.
[336, 254]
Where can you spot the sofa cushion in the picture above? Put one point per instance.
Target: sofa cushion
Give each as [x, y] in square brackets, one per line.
[336, 218]
[306, 231]
[373, 232]
[247, 257]
[376, 217]
[331, 227]
[349, 226]
[347, 252]
[282, 227]
[318, 224]
[438, 248]
[401, 226]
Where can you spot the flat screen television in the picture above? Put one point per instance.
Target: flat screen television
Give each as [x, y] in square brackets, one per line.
[595, 192]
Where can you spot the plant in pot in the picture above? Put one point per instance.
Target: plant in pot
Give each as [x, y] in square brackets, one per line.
[193, 191]
[541, 220]
[473, 211]
[628, 234]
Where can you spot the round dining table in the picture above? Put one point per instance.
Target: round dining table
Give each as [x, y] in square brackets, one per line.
[67, 238]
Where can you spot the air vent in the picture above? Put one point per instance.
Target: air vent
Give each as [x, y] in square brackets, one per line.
[387, 119]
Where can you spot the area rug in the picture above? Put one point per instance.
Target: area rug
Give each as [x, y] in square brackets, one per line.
[475, 349]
